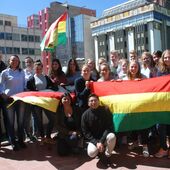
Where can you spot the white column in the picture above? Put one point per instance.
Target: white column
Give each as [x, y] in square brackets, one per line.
[151, 37]
[96, 50]
[111, 42]
[131, 44]
[155, 41]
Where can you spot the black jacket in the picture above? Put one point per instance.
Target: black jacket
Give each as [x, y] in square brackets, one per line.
[96, 124]
[82, 92]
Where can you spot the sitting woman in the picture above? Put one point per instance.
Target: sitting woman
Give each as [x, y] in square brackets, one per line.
[68, 126]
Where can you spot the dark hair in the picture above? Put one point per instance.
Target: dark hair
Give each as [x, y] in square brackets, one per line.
[158, 53]
[68, 72]
[66, 94]
[29, 58]
[38, 63]
[93, 95]
[56, 72]
[18, 67]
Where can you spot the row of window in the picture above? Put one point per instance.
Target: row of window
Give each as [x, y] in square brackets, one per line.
[18, 37]
[17, 50]
[7, 23]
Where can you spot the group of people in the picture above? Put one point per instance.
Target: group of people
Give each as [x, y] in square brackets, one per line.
[81, 118]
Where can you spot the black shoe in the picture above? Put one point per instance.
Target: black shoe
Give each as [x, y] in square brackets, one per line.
[33, 138]
[15, 147]
[22, 145]
[105, 160]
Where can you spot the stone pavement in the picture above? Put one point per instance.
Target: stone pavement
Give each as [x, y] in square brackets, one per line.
[36, 157]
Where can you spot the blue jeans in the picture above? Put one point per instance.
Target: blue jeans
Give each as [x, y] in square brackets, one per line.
[29, 114]
[18, 109]
[39, 120]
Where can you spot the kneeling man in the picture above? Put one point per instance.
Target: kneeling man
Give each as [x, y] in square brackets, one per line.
[97, 127]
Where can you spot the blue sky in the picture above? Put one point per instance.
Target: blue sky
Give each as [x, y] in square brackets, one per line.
[24, 8]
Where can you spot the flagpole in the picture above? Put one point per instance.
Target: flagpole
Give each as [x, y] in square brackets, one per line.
[69, 33]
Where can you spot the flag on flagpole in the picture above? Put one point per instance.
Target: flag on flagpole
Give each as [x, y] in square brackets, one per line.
[56, 34]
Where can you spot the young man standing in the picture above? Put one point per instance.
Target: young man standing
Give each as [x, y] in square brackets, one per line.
[97, 127]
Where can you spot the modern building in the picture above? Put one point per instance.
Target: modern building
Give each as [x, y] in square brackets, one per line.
[18, 40]
[79, 44]
[33, 21]
[134, 25]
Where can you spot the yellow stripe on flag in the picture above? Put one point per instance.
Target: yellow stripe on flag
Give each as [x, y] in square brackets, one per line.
[62, 27]
[138, 102]
[44, 102]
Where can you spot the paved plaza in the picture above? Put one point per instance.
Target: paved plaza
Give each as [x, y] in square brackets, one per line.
[36, 157]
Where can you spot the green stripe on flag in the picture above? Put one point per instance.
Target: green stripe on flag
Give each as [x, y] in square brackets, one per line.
[137, 121]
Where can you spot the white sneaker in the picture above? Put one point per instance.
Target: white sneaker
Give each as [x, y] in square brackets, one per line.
[133, 145]
[145, 152]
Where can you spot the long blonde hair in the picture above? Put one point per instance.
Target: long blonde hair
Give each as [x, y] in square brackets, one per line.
[162, 66]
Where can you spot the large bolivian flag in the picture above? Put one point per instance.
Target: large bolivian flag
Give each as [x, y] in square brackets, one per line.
[136, 104]
[55, 35]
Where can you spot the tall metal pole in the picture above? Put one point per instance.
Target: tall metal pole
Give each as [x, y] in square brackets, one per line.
[69, 33]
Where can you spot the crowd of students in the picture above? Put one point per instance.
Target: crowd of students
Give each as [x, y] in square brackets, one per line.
[83, 118]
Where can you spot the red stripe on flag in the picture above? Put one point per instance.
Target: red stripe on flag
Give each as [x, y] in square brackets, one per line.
[158, 84]
[56, 95]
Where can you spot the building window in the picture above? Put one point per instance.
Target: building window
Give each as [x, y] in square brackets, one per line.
[31, 51]
[24, 37]
[31, 38]
[9, 50]
[37, 38]
[1, 22]
[1, 35]
[37, 52]
[138, 35]
[8, 36]
[146, 40]
[2, 49]
[24, 50]
[16, 37]
[8, 23]
[16, 50]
